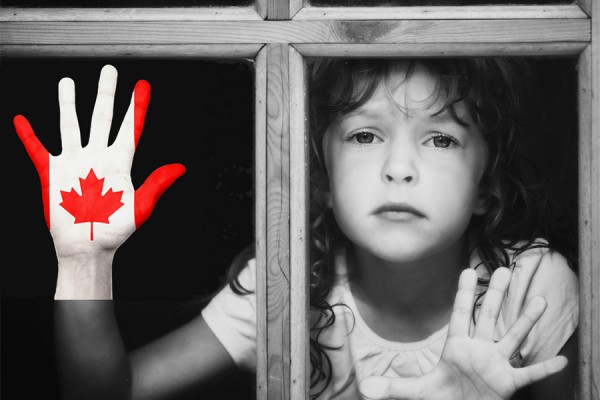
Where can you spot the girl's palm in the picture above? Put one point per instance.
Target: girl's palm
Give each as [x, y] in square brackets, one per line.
[473, 365]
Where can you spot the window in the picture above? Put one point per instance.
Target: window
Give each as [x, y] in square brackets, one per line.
[280, 37]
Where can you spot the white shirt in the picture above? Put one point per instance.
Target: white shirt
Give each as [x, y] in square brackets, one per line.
[536, 272]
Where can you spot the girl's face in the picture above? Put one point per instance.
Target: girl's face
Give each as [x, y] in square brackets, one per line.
[404, 182]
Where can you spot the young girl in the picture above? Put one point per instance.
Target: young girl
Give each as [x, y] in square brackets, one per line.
[431, 277]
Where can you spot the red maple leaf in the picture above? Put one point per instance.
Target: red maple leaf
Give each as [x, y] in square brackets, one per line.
[91, 206]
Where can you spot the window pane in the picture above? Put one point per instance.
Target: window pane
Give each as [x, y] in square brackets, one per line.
[389, 137]
[201, 115]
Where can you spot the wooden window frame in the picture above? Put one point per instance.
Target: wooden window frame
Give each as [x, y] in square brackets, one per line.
[279, 35]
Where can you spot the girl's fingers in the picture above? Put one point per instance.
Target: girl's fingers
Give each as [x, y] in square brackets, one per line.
[133, 123]
[153, 187]
[521, 328]
[490, 309]
[103, 109]
[69, 125]
[380, 388]
[533, 373]
[460, 321]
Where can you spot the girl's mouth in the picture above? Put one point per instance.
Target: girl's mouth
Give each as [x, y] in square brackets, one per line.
[399, 211]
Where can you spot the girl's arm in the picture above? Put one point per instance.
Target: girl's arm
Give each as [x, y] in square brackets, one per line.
[93, 363]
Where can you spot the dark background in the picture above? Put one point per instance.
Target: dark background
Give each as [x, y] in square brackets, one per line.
[200, 114]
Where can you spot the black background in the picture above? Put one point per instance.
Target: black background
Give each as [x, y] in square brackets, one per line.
[200, 114]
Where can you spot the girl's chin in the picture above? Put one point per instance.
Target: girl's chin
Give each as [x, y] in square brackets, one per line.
[406, 251]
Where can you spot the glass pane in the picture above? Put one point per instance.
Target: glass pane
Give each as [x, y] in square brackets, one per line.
[125, 3]
[419, 170]
[406, 3]
[201, 115]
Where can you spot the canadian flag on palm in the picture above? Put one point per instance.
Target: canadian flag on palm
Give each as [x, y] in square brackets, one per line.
[87, 193]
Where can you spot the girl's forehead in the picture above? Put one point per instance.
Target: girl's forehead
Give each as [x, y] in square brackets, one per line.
[408, 87]
[417, 84]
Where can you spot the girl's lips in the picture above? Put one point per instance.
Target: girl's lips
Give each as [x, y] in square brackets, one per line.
[400, 210]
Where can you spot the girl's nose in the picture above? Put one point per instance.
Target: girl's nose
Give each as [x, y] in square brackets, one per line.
[406, 179]
[399, 166]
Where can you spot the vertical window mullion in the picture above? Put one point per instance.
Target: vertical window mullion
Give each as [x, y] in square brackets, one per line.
[276, 337]
[282, 9]
[260, 177]
[299, 233]
[594, 299]
[589, 223]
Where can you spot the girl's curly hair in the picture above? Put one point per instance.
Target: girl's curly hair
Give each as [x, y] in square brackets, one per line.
[498, 95]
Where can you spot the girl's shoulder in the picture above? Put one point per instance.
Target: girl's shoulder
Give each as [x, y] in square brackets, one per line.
[541, 271]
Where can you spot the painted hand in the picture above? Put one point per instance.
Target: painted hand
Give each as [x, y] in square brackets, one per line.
[90, 204]
[473, 366]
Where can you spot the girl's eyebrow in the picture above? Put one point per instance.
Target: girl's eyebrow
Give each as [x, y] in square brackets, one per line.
[371, 112]
[445, 117]
[442, 116]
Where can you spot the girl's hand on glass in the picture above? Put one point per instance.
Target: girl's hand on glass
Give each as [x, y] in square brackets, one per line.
[90, 204]
[473, 366]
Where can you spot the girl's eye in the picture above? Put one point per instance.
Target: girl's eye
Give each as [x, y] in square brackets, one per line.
[441, 141]
[363, 137]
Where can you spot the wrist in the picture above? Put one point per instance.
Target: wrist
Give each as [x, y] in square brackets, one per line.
[85, 278]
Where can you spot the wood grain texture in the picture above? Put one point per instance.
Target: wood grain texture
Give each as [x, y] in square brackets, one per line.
[595, 300]
[441, 12]
[595, 114]
[173, 51]
[299, 232]
[260, 195]
[130, 14]
[282, 9]
[585, 222]
[278, 10]
[586, 6]
[439, 49]
[278, 215]
[589, 227]
[295, 7]
[237, 32]
[261, 8]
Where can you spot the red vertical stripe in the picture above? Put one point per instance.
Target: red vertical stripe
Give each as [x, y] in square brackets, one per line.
[141, 95]
[40, 157]
[141, 98]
